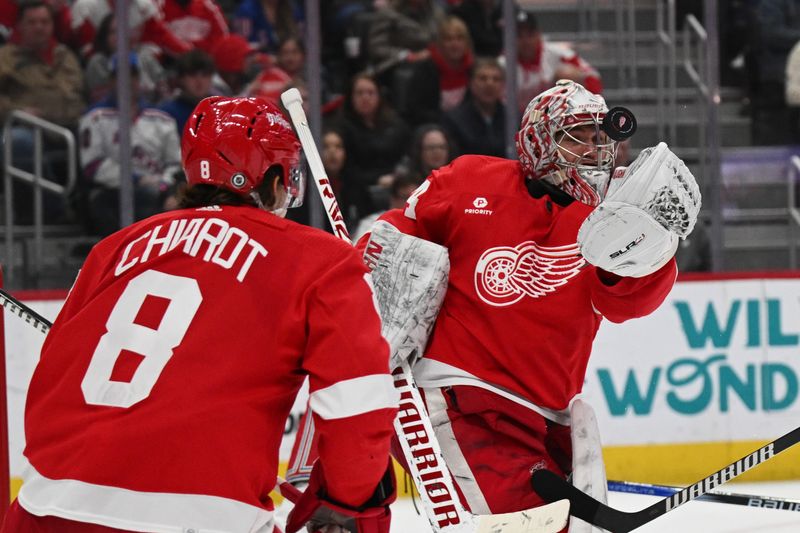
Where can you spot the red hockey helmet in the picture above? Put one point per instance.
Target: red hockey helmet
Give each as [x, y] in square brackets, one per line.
[548, 119]
[232, 142]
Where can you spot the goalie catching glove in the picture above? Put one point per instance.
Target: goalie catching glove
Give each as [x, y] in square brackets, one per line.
[649, 206]
[318, 513]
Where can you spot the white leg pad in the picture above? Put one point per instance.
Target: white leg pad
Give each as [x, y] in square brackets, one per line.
[588, 469]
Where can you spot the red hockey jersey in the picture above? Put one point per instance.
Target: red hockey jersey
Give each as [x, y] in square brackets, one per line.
[160, 399]
[522, 307]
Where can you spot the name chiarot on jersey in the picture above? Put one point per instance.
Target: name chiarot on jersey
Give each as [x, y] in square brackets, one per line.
[480, 206]
[209, 239]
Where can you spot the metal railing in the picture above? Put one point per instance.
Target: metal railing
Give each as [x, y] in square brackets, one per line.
[666, 71]
[36, 179]
[695, 41]
[792, 175]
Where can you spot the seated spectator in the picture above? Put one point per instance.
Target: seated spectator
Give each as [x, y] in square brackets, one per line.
[541, 63]
[402, 187]
[291, 57]
[484, 20]
[62, 20]
[478, 124]
[155, 161]
[375, 136]
[146, 25]
[267, 23]
[152, 77]
[194, 70]
[237, 64]
[334, 160]
[430, 149]
[439, 83]
[776, 29]
[402, 30]
[42, 77]
[200, 23]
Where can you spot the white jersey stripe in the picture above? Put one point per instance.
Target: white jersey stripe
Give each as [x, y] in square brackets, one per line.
[355, 396]
[156, 512]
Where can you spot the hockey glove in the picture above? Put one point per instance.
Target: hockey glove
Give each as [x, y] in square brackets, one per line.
[649, 206]
[317, 512]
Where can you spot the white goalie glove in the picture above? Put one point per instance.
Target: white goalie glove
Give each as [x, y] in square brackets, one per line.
[649, 206]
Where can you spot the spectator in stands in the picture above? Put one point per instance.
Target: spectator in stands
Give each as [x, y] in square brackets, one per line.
[267, 23]
[146, 25]
[776, 30]
[38, 74]
[402, 30]
[291, 57]
[237, 64]
[375, 137]
[478, 124]
[200, 23]
[541, 63]
[152, 76]
[484, 20]
[62, 21]
[439, 83]
[194, 69]
[42, 77]
[430, 149]
[155, 149]
[402, 187]
[334, 159]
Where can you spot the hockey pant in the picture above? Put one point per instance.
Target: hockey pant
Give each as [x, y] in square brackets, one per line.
[492, 445]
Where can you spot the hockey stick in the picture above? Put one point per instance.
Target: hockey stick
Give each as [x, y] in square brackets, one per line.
[287, 490]
[433, 480]
[748, 500]
[24, 312]
[553, 487]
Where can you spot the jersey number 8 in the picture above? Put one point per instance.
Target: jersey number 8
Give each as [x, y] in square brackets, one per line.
[154, 345]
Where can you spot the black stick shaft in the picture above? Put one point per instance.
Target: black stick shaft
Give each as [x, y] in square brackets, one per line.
[24, 312]
[552, 487]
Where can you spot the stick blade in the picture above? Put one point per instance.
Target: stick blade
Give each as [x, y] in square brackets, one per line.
[550, 518]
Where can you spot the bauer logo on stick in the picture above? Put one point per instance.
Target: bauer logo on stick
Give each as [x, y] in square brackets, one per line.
[619, 123]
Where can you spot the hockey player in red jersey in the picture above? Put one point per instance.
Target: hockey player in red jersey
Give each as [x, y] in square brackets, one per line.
[160, 398]
[542, 249]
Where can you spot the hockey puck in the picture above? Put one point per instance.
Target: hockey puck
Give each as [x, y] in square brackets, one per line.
[619, 123]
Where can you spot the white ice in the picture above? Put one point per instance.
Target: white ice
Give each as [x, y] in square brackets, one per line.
[699, 517]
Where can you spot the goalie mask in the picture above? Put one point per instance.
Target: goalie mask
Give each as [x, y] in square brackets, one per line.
[232, 142]
[563, 140]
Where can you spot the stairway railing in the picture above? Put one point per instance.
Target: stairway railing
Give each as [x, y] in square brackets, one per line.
[36, 179]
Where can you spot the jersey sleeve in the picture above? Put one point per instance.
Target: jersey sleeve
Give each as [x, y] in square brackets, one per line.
[351, 393]
[621, 298]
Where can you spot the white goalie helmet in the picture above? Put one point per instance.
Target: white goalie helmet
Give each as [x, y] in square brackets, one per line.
[582, 172]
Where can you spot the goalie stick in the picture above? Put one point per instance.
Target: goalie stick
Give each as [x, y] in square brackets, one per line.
[552, 487]
[423, 454]
[748, 500]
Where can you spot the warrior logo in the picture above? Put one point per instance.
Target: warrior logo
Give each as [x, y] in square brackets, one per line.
[504, 274]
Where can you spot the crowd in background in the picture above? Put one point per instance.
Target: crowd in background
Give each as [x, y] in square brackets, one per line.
[407, 86]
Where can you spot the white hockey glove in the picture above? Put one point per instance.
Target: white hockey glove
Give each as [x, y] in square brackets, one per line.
[649, 206]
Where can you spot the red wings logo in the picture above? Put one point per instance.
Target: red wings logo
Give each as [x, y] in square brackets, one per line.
[504, 274]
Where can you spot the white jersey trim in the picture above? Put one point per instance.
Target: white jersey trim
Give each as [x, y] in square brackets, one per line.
[355, 396]
[430, 373]
[156, 512]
